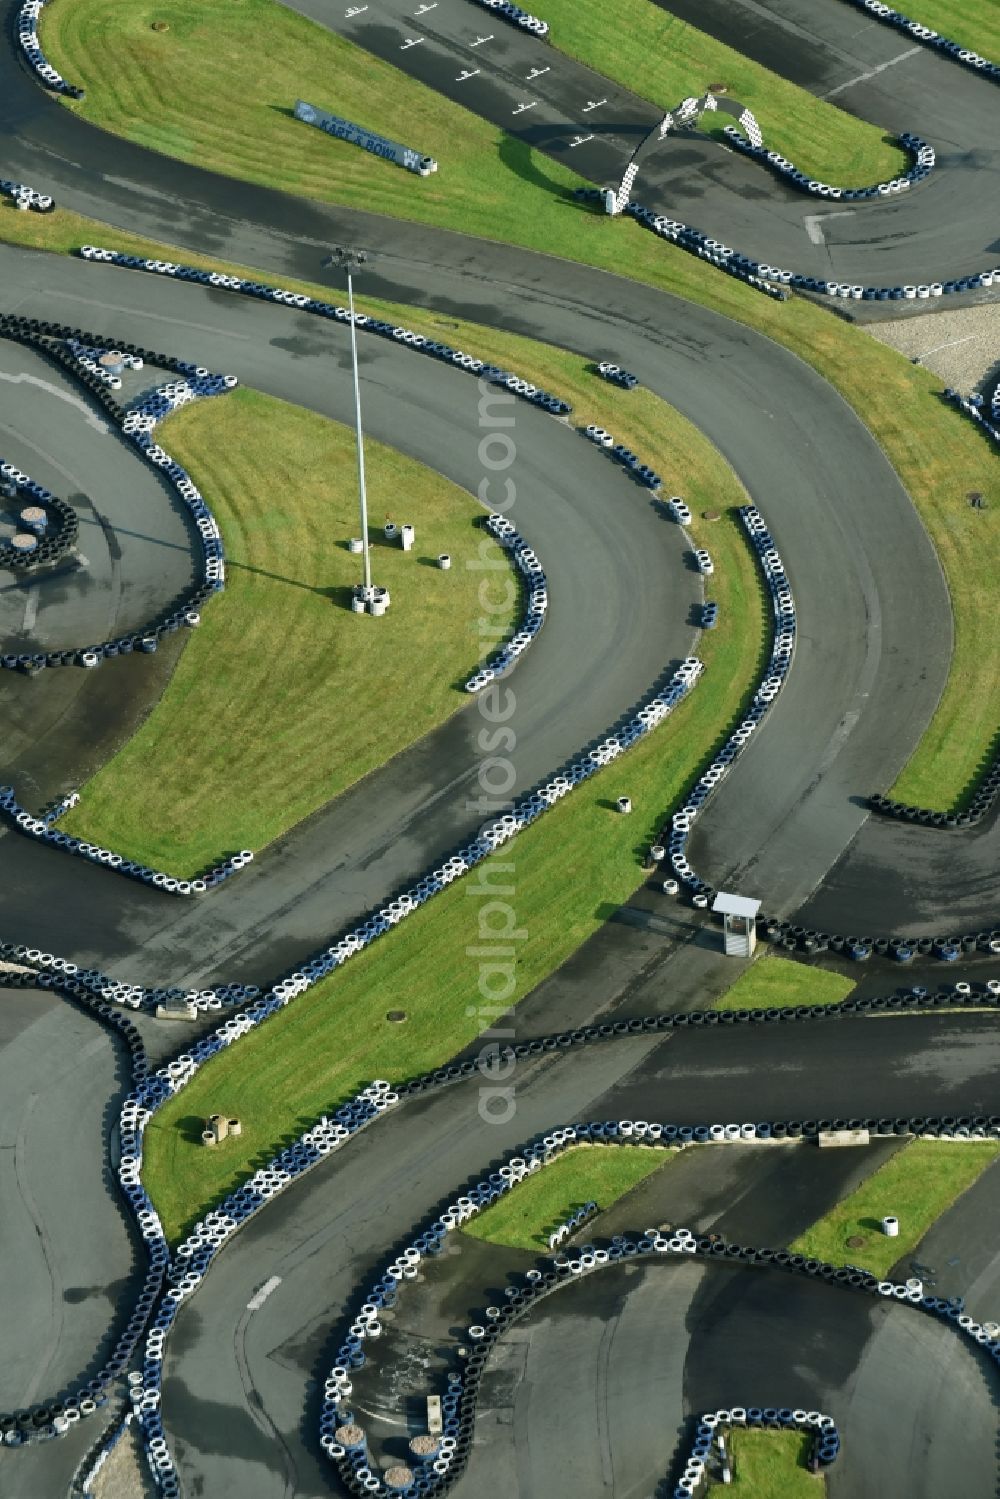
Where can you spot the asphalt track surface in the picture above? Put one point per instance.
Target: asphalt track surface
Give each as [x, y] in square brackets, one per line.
[855, 706]
[945, 228]
[240, 1385]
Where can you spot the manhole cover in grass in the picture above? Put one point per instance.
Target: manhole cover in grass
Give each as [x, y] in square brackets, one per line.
[718, 88]
[160, 26]
[711, 515]
[396, 1016]
[857, 1241]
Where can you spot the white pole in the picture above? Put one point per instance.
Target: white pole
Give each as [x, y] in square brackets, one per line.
[357, 418]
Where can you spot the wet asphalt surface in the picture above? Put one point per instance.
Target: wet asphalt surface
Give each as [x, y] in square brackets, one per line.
[238, 1413]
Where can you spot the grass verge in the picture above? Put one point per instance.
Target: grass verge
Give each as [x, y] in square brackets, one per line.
[935, 450]
[775, 983]
[771, 1465]
[916, 1185]
[266, 691]
[525, 1217]
[665, 59]
[336, 1037]
[204, 90]
[975, 25]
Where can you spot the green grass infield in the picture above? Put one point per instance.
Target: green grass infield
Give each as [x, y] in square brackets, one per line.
[283, 696]
[916, 1185]
[775, 983]
[525, 1217]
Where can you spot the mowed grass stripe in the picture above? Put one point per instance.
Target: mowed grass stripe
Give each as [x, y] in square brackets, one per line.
[562, 873]
[282, 697]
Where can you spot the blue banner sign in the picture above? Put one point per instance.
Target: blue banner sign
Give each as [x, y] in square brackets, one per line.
[357, 135]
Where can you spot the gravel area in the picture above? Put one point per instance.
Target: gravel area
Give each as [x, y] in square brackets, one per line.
[125, 1475]
[963, 346]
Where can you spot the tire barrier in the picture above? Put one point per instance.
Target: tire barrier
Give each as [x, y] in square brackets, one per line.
[59, 528]
[676, 834]
[530, 568]
[55, 1418]
[91, 360]
[616, 375]
[516, 16]
[26, 197]
[955, 50]
[970, 816]
[973, 406]
[101, 996]
[619, 453]
[459, 1402]
[137, 422]
[687, 112]
[923, 162]
[27, 36]
[575, 1220]
[773, 281]
[44, 830]
[824, 1448]
[525, 389]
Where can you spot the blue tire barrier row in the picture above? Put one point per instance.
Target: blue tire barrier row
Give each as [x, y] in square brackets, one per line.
[45, 831]
[619, 453]
[27, 36]
[62, 344]
[988, 417]
[711, 1426]
[351, 1457]
[955, 50]
[675, 836]
[772, 280]
[923, 163]
[696, 243]
[89, 360]
[26, 197]
[576, 1220]
[525, 389]
[56, 1417]
[186, 1272]
[616, 375]
[55, 533]
[516, 16]
[151, 1090]
[504, 532]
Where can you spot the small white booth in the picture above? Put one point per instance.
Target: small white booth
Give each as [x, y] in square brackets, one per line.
[739, 920]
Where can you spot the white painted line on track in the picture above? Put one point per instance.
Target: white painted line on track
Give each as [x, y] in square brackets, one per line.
[31, 610]
[480, 40]
[256, 1302]
[63, 395]
[864, 77]
[813, 223]
[466, 73]
[156, 317]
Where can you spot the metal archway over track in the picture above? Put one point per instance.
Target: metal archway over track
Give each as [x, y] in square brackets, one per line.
[686, 113]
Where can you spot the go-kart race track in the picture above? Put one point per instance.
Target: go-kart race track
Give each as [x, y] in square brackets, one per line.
[645, 1345]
